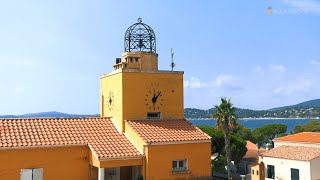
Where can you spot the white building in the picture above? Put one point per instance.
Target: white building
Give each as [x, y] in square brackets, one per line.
[311, 139]
[294, 157]
[292, 162]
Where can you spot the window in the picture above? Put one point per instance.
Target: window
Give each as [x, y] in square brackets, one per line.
[257, 172]
[270, 171]
[179, 166]
[153, 115]
[294, 174]
[252, 171]
[31, 174]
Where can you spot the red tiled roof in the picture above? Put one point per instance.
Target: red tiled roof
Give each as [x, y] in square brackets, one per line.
[312, 137]
[250, 145]
[302, 153]
[99, 133]
[252, 151]
[166, 130]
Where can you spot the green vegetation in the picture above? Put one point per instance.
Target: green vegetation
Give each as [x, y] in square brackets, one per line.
[243, 132]
[238, 135]
[311, 126]
[266, 134]
[237, 147]
[226, 119]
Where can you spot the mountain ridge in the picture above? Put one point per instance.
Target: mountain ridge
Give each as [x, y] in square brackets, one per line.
[310, 103]
[306, 109]
[49, 114]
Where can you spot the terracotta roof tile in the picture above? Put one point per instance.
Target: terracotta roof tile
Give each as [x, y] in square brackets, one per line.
[313, 137]
[252, 151]
[302, 153]
[166, 130]
[99, 133]
[251, 145]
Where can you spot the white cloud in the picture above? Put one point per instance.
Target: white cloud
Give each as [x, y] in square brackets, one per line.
[305, 5]
[224, 79]
[277, 68]
[258, 71]
[278, 90]
[315, 62]
[298, 86]
[194, 82]
[19, 90]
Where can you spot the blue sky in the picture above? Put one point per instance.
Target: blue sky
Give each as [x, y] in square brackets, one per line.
[52, 53]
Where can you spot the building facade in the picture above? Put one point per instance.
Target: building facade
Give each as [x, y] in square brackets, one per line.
[294, 157]
[251, 157]
[141, 134]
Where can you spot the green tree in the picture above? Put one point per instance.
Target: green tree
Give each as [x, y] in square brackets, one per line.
[243, 132]
[267, 133]
[237, 146]
[217, 139]
[226, 117]
[311, 126]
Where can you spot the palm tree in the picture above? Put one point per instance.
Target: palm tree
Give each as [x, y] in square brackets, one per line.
[226, 119]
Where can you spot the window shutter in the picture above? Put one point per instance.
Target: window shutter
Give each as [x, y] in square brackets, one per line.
[38, 174]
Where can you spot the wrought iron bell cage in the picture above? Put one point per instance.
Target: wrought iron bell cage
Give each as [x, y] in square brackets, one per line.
[140, 37]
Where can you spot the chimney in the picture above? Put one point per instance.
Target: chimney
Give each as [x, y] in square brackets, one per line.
[118, 60]
[268, 146]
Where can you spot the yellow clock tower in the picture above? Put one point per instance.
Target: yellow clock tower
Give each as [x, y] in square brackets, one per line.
[145, 105]
[136, 88]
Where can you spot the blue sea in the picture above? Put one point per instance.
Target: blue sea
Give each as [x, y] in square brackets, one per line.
[255, 123]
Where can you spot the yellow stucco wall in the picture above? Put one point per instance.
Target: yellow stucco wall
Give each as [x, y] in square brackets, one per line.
[134, 138]
[111, 85]
[140, 60]
[159, 160]
[57, 163]
[132, 93]
[138, 90]
[258, 169]
[121, 162]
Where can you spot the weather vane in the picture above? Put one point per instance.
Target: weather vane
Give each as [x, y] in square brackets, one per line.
[172, 63]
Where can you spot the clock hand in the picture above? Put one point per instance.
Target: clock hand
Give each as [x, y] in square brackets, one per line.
[158, 95]
[154, 99]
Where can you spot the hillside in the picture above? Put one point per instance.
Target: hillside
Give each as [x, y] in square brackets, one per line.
[307, 109]
[307, 104]
[45, 115]
[295, 112]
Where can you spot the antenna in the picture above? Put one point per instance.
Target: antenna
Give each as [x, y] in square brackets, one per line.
[172, 65]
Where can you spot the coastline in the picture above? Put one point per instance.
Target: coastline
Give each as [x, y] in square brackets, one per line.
[268, 118]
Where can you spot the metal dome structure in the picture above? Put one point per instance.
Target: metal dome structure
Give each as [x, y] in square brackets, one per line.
[140, 37]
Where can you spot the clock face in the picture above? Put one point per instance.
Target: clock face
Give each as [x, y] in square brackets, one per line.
[110, 101]
[154, 99]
